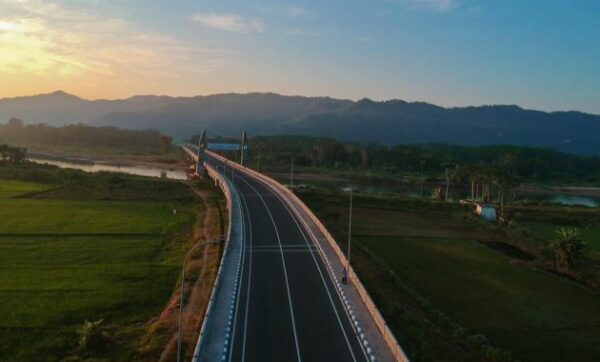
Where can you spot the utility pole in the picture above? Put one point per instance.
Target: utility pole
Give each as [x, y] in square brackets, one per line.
[447, 184]
[292, 174]
[421, 178]
[258, 165]
[349, 229]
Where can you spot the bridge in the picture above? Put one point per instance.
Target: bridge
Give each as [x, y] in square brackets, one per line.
[278, 294]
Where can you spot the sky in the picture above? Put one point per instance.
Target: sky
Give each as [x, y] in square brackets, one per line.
[537, 54]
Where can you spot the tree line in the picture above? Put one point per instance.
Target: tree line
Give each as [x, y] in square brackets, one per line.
[33, 136]
[10, 154]
[460, 163]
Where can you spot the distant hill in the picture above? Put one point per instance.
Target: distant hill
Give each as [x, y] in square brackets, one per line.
[390, 122]
[394, 122]
[60, 108]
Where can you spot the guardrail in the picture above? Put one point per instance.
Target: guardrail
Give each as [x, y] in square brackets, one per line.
[382, 326]
[190, 153]
[224, 186]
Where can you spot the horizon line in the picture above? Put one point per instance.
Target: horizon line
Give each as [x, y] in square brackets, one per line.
[60, 91]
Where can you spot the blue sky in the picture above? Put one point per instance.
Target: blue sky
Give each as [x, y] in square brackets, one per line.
[538, 54]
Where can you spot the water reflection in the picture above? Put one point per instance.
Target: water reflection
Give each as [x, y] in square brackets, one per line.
[132, 170]
[575, 201]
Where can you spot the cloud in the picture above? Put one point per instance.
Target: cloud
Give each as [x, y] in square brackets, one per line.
[436, 5]
[6, 25]
[229, 22]
[363, 39]
[49, 44]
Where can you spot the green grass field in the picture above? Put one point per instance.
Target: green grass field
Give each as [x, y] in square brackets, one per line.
[10, 188]
[547, 231]
[64, 261]
[535, 315]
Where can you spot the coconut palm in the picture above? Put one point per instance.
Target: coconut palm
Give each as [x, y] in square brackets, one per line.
[568, 247]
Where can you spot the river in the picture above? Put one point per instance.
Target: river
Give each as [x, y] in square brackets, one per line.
[98, 167]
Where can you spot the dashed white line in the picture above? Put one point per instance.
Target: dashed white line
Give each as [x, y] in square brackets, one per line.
[249, 280]
[322, 278]
[287, 284]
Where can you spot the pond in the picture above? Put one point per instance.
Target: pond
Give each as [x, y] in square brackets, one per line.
[132, 170]
[575, 201]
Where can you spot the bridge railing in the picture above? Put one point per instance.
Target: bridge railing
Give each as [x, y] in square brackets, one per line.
[382, 326]
[190, 153]
[224, 186]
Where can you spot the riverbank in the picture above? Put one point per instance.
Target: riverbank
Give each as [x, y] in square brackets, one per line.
[150, 166]
[171, 161]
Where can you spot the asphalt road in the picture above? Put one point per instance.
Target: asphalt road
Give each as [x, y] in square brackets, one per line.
[287, 308]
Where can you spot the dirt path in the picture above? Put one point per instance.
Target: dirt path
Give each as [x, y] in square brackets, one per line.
[201, 272]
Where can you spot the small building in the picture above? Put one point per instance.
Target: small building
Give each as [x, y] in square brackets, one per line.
[486, 211]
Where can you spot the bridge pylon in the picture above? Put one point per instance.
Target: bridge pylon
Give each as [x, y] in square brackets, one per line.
[243, 149]
[201, 148]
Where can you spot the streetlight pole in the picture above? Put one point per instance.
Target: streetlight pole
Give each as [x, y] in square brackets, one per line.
[349, 229]
[292, 174]
[258, 166]
[189, 253]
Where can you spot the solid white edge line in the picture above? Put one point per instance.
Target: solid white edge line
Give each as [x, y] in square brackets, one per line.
[239, 275]
[287, 284]
[303, 232]
[313, 237]
[249, 279]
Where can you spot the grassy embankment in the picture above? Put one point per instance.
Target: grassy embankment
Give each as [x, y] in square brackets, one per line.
[449, 296]
[77, 247]
[541, 221]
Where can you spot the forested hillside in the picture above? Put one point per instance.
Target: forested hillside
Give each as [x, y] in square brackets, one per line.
[388, 122]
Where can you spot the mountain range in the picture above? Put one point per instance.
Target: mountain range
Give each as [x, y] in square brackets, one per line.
[388, 122]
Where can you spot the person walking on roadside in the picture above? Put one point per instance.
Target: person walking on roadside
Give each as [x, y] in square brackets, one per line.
[345, 276]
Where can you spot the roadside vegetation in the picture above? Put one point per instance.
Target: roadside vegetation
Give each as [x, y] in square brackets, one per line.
[454, 287]
[89, 263]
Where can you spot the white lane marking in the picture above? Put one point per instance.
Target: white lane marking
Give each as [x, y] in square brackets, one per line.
[303, 246]
[249, 281]
[285, 251]
[322, 278]
[340, 292]
[237, 296]
[287, 284]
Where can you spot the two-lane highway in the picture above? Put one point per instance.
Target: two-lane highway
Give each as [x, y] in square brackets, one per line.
[287, 307]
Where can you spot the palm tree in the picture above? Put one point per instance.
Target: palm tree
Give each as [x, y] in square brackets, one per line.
[449, 172]
[92, 336]
[568, 247]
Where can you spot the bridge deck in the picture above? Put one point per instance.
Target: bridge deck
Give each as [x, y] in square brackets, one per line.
[287, 306]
